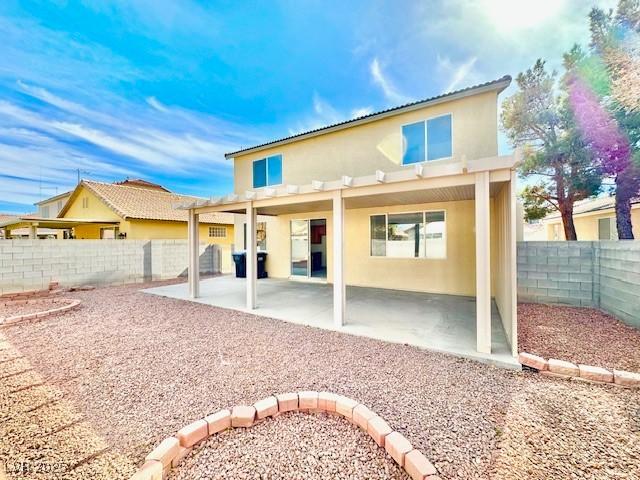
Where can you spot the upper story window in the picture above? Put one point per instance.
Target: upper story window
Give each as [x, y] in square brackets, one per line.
[267, 171]
[85, 202]
[44, 211]
[427, 140]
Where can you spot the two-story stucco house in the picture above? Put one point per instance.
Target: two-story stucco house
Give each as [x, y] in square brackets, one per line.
[397, 225]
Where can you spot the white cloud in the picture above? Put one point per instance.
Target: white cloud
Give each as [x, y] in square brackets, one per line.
[388, 88]
[507, 35]
[137, 138]
[324, 114]
[456, 74]
[153, 101]
[361, 112]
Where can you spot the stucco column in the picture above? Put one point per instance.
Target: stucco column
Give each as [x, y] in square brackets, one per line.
[483, 264]
[194, 254]
[251, 257]
[339, 291]
[33, 231]
[512, 266]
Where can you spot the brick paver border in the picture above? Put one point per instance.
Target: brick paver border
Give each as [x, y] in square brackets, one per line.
[59, 305]
[172, 450]
[588, 373]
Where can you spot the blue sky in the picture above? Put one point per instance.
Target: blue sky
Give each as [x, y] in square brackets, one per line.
[161, 89]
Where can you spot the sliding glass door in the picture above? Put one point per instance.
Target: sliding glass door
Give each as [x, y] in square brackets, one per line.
[300, 248]
[309, 248]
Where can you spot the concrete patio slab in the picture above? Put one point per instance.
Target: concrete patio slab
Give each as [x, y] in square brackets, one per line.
[443, 323]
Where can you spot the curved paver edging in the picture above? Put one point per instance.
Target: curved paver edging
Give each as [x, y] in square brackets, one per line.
[563, 369]
[67, 304]
[172, 450]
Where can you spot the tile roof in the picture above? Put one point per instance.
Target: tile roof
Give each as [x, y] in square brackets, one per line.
[500, 83]
[145, 203]
[138, 182]
[592, 205]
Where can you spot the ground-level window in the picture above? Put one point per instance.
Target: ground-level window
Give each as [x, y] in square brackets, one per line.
[261, 235]
[217, 232]
[409, 235]
[267, 171]
[607, 229]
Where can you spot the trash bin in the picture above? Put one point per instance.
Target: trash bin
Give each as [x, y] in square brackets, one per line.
[240, 259]
[262, 264]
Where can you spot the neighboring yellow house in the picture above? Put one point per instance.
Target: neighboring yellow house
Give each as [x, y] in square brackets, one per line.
[142, 211]
[411, 198]
[594, 219]
[132, 209]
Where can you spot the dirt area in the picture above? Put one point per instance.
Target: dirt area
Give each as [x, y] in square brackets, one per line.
[127, 369]
[579, 335]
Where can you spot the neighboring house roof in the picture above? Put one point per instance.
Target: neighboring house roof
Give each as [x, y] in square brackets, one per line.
[591, 205]
[143, 203]
[54, 198]
[499, 85]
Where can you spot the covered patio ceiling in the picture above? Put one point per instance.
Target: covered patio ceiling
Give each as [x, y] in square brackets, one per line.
[53, 223]
[441, 194]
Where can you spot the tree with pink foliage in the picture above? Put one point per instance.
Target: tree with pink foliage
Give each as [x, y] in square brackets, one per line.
[610, 146]
[607, 112]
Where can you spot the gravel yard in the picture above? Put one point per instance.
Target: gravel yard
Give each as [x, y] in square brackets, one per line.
[127, 369]
[579, 335]
[15, 308]
[292, 446]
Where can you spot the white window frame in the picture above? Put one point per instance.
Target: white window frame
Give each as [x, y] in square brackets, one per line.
[613, 228]
[426, 140]
[218, 228]
[266, 158]
[423, 248]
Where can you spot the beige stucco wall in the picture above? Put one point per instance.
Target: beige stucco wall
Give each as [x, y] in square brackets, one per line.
[587, 224]
[453, 275]
[363, 149]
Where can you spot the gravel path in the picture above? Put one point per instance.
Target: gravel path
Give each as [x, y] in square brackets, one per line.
[138, 367]
[291, 446]
[580, 335]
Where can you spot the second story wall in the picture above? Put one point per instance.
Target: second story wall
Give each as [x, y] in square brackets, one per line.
[378, 145]
[51, 208]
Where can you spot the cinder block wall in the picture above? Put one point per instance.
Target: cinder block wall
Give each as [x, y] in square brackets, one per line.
[602, 274]
[33, 264]
[619, 279]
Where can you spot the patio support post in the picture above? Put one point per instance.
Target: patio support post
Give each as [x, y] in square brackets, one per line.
[339, 302]
[251, 257]
[513, 268]
[194, 254]
[483, 264]
[33, 231]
